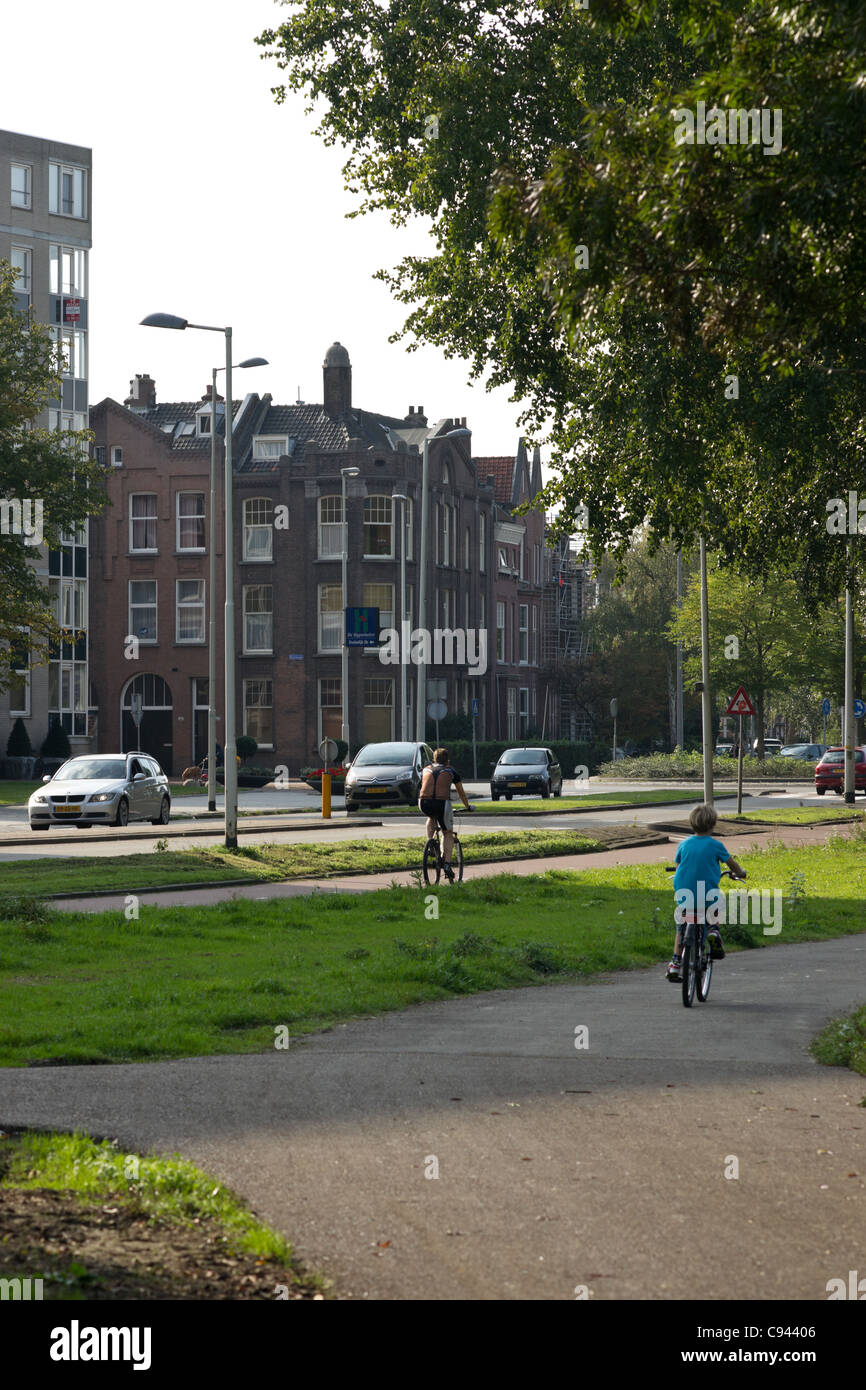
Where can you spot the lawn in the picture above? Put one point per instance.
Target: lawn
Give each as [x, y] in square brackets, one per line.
[182, 982]
[799, 815]
[131, 873]
[607, 801]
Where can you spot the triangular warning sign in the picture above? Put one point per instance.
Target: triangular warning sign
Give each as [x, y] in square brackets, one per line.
[740, 704]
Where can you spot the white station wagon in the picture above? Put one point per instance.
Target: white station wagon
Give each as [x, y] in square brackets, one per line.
[102, 789]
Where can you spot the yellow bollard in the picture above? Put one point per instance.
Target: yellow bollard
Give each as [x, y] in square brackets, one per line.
[326, 796]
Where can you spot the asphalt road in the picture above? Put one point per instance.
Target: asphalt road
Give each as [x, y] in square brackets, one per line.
[609, 1168]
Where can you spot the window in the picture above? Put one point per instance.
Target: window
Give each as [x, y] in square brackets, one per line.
[534, 637]
[190, 610]
[67, 190]
[444, 534]
[67, 270]
[142, 609]
[482, 612]
[330, 527]
[190, 521]
[258, 528]
[19, 686]
[467, 549]
[482, 544]
[504, 565]
[22, 261]
[330, 617]
[258, 618]
[258, 712]
[20, 192]
[378, 531]
[116, 456]
[446, 476]
[380, 596]
[378, 710]
[68, 598]
[500, 632]
[466, 611]
[203, 421]
[524, 711]
[446, 608]
[270, 446]
[523, 644]
[512, 712]
[330, 708]
[71, 348]
[142, 521]
[410, 529]
[521, 548]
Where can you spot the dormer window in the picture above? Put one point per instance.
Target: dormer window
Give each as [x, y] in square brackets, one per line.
[271, 446]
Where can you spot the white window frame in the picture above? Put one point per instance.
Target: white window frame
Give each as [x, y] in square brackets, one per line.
[267, 689]
[154, 604]
[189, 605]
[70, 345]
[117, 455]
[523, 635]
[331, 627]
[534, 637]
[67, 270]
[385, 683]
[501, 630]
[192, 516]
[256, 614]
[143, 549]
[22, 677]
[386, 507]
[330, 530]
[270, 446]
[78, 175]
[387, 616]
[523, 711]
[253, 527]
[335, 687]
[25, 199]
[482, 544]
[24, 283]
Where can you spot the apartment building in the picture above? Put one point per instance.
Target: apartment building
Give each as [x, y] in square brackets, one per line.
[45, 232]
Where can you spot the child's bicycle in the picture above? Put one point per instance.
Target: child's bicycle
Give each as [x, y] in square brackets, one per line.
[697, 962]
[433, 864]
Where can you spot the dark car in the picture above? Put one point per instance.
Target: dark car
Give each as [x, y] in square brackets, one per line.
[528, 772]
[830, 772]
[810, 752]
[385, 774]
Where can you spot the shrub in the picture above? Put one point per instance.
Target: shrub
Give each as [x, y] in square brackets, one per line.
[690, 766]
[247, 747]
[18, 742]
[56, 742]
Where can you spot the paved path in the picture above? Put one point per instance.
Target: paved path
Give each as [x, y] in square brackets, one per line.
[558, 1168]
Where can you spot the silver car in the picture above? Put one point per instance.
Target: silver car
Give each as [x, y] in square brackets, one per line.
[386, 774]
[102, 789]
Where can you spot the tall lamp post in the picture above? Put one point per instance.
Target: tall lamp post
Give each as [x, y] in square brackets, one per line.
[344, 474]
[230, 744]
[404, 635]
[421, 696]
[211, 668]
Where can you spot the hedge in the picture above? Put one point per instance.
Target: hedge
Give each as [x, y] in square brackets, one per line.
[568, 755]
[690, 766]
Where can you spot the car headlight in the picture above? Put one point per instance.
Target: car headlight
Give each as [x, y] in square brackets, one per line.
[39, 799]
[104, 796]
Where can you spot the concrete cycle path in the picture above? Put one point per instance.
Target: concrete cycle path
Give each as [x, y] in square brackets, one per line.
[471, 1150]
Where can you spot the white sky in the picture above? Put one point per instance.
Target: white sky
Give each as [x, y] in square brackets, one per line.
[213, 203]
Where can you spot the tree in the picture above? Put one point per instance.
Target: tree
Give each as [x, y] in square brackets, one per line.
[49, 485]
[56, 742]
[18, 743]
[247, 747]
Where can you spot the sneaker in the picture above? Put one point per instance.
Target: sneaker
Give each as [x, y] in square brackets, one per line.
[448, 872]
[674, 971]
[717, 950]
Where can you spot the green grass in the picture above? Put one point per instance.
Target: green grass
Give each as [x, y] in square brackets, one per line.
[162, 1189]
[607, 801]
[843, 1042]
[690, 765]
[130, 873]
[189, 982]
[799, 815]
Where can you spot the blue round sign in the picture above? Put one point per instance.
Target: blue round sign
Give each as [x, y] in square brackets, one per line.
[825, 706]
[859, 709]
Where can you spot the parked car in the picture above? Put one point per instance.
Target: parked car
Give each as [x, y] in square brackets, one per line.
[772, 748]
[806, 751]
[102, 789]
[830, 772]
[386, 773]
[530, 771]
[724, 750]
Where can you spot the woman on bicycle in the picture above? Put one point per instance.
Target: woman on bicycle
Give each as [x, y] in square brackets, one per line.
[696, 883]
[437, 779]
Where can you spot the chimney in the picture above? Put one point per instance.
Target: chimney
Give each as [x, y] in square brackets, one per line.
[209, 393]
[337, 379]
[142, 392]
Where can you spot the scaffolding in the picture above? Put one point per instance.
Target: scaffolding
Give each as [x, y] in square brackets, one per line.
[569, 594]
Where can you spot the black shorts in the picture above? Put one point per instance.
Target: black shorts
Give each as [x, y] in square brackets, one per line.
[441, 811]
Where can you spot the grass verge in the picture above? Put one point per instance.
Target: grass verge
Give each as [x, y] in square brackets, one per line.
[842, 1043]
[249, 975]
[552, 806]
[799, 815]
[163, 1202]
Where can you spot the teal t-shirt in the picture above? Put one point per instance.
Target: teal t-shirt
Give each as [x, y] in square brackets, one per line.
[699, 860]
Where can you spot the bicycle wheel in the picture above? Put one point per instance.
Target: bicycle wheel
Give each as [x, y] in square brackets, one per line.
[689, 967]
[430, 863]
[705, 969]
[457, 860]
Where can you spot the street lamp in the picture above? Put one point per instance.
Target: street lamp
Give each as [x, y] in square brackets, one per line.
[404, 635]
[211, 683]
[230, 742]
[421, 684]
[344, 474]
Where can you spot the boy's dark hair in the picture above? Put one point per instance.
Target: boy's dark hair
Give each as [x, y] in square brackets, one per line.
[703, 819]
[441, 755]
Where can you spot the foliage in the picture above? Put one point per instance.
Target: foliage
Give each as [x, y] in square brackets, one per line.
[246, 746]
[56, 742]
[687, 766]
[842, 1043]
[18, 743]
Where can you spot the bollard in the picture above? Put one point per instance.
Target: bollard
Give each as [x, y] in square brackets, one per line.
[326, 796]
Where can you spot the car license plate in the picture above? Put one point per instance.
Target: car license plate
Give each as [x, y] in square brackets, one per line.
[376, 791]
[69, 810]
[517, 784]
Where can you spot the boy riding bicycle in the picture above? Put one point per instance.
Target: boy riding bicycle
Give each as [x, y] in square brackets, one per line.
[696, 884]
[437, 780]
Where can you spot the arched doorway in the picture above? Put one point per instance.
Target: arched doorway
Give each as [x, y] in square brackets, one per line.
[155, 734]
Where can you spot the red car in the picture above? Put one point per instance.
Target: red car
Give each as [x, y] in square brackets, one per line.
[830, 771]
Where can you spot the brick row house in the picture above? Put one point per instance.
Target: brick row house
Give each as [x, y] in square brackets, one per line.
[150, 565]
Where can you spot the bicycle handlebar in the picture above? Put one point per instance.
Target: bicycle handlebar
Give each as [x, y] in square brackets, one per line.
[726, 873]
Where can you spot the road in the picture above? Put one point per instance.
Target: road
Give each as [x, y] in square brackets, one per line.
[683, 1153]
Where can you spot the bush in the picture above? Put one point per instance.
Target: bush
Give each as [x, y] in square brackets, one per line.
[247, 747]
[690, 767]
[18, 742]
[56, 742]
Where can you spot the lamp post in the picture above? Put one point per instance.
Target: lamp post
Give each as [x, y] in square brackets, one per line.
[404, 635]
[421, 691]
[211, 668]
[230, 742]
[344, 474]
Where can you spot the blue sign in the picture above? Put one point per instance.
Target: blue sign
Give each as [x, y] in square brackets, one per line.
[362, 627]
[296, 656]
[825, 706]
[474, 708]
[859, 709]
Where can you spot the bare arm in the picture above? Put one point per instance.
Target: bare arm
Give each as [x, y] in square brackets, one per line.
[735, 868]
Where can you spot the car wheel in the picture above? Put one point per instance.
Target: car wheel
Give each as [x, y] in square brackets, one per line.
[122, 817]
[820, 790]
[509, 796]
[494, 796]
[545, 792]
[40, 826]
[350, 810]
[164, 813]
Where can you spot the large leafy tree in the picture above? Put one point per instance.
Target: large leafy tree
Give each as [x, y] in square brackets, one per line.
[49, 469]
[617, 280]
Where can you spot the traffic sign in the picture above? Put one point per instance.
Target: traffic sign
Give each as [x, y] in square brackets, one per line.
[328, 751]
[437, 709]
[474, 708]
[825, 706]
[740, 704]
[859, 709]
[362, 627]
